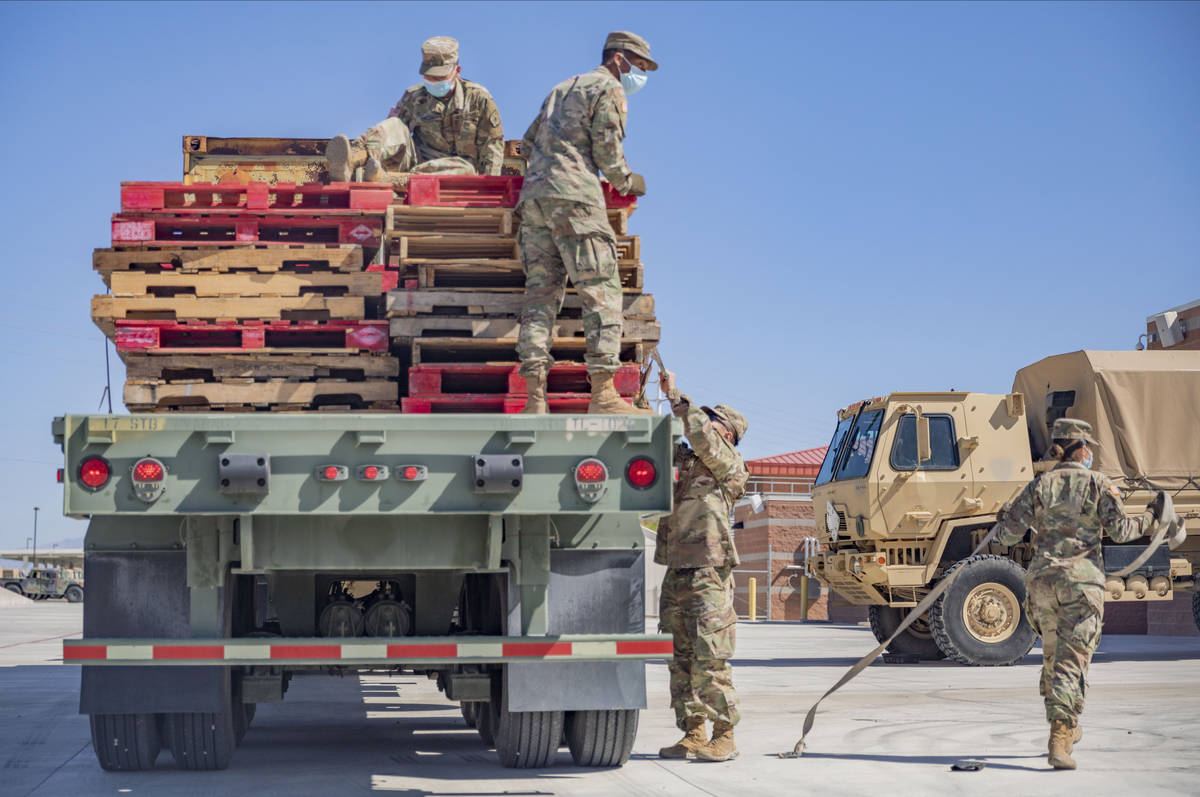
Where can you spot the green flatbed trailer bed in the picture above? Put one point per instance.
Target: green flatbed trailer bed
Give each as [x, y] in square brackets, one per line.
[226, 552]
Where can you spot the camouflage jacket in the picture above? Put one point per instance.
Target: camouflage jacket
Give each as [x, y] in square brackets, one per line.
[578, 131]
[712, 477]
[1069, 508]
[465, 123]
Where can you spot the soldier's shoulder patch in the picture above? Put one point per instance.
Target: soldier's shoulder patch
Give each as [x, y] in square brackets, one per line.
[1115, 490]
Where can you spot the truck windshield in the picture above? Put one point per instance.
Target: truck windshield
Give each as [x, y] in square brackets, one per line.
[861, 447]
[835, 450]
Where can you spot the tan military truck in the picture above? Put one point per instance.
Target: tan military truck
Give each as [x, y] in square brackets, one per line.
[912, 483]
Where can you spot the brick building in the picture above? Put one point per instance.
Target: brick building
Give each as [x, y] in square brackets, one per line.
[1177, 328]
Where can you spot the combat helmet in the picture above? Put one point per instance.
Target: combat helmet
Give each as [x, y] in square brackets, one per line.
[1074, 430]
[735, 420]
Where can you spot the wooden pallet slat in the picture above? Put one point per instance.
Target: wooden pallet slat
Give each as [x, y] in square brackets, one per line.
[243, 257]
[458, 349]
[407, 329]
[165, 229]
[311, 307]
[505, 379]
[495, 274]
[147, 367]
[255, 196]
[400, 303]
[163, 337]
[259, 393]
[136, 284]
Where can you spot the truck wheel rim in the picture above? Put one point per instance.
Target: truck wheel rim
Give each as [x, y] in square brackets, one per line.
[991, 613]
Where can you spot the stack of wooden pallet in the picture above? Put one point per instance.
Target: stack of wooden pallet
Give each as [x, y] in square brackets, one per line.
[456, 287]
[249, 297]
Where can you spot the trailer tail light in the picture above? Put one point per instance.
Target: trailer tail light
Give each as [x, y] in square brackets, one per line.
[591, 476]
[641, 473]
[59, 475]
[412, 473]
[373, 473]
[333, 473]
[94, 473]
[148, 476]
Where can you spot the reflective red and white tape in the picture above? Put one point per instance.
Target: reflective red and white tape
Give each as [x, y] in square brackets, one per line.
[365, 650]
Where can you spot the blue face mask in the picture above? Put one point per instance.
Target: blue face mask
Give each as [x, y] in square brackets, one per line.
[441, 88]
[1087, 463]
[634, 80]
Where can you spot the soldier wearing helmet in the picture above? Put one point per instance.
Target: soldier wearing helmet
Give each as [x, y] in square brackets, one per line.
[696, 604]
[443, 125]
[1066, 510]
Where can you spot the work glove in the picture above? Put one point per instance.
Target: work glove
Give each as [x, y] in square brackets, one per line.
[1156, 506]
[637, 185]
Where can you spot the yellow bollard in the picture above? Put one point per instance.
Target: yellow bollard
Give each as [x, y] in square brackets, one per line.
[803, 598]
[753, 599]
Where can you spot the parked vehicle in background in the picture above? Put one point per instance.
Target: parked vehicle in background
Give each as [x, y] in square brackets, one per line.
[43, 583]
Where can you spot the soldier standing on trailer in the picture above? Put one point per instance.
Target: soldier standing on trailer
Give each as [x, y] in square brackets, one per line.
[696, 603]
[564, 225]
[442, 125]
[1067, 510]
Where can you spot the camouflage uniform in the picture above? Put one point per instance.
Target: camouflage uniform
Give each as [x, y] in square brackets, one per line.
[696, 544]
[1068, 509]
[456, 134]
[564, 225]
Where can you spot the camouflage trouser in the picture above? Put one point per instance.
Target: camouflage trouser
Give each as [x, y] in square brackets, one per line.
[1067, 615]
[392, 143]
[560, 239]
[696, 606]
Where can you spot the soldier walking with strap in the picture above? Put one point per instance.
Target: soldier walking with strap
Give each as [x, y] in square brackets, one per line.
[696, 604]
[443, 125]
[565, 231]
[1067, 510]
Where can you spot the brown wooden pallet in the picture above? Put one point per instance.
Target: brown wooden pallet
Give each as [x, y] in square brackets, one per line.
[212, 367]
[409, 219]
[400, 303]
[405, 329]
[260, 393]
[405, 249]
[244, 284]
[381, 407]
[305, 258]
[495, 274]
[485, 350]
[107, 309]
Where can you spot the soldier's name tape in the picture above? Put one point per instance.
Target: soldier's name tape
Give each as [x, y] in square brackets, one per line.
[366, 651]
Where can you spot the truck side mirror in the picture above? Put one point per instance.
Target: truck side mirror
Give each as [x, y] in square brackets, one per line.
[924, 448]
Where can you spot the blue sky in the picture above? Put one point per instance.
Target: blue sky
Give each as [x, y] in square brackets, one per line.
[844, 199]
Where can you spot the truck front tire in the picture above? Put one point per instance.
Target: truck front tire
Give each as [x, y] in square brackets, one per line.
[125, 742]
[601, 738]
[980, 619]
[74, 594]
[916, 640]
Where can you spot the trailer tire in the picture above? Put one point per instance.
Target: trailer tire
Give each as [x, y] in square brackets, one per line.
[468, 712]
[601, 738]
[528, 739]
[125, 742]
[1196, 610]
[74, 594]
[915, 641]
[201, 740]
[487, 722]
[980, 619]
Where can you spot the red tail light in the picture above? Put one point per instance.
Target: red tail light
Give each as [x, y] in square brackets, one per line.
[94, 473]
[591, 470]
[370, 473]
[331, 473]
[148, 470]
[641, 473]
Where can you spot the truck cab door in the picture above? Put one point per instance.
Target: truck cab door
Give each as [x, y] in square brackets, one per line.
[919, 485]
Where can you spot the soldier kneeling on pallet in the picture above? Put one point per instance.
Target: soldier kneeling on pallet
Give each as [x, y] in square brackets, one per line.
[443, 125]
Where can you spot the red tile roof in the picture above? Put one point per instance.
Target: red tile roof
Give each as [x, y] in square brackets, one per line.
[797, 463]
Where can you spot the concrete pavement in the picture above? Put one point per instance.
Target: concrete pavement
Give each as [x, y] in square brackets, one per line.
[897, 728]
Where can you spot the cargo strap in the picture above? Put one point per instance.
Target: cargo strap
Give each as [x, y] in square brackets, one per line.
[862, 663]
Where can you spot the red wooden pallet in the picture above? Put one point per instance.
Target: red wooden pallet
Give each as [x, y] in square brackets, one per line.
[200, 197]
[166, 229]
[391, 276]
[445, 379]
[484, 191]
[466, 402]
[204, 337]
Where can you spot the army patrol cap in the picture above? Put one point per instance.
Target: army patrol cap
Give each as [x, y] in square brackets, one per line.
[633, 43]
[439, 56]
[734, 419]
[1073, 429]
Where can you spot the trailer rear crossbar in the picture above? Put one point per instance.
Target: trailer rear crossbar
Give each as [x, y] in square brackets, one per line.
[367, 650]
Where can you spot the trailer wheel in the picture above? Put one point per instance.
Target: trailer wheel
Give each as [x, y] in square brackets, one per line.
[202, 740]
[601, 738]
[125, 742]
[74, 594]
[528, 739]
[468, 712]
[1196, 610]
[980, 619]
[917, 640]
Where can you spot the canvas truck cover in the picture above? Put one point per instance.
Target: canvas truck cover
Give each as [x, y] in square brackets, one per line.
[1144, 408]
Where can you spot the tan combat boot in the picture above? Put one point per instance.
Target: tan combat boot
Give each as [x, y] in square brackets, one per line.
[1061, 742]
[720, 747]
[343, 157]
[693, 739]
[373, 171]
[1076, 735]
[607, 401]
[535, 386]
